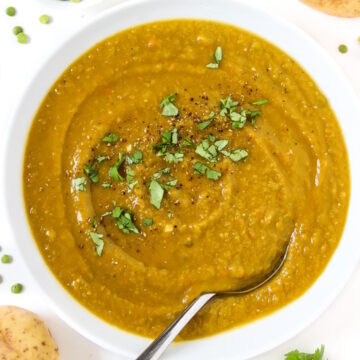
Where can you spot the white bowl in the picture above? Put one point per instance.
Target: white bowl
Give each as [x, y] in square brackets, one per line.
[245, 341]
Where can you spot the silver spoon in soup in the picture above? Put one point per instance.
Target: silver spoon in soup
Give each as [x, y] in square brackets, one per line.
[160, 344]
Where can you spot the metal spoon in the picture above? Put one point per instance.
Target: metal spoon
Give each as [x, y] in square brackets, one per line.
[159, 345]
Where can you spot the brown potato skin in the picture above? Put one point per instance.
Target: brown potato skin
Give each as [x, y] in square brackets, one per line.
[340, 8]
[23, 335]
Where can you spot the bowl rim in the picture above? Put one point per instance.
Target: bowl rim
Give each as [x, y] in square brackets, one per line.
[291, 318]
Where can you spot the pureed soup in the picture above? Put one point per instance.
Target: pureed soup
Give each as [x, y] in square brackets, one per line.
[180, 157]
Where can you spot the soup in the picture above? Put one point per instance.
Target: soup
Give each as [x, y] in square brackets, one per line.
[181, 157]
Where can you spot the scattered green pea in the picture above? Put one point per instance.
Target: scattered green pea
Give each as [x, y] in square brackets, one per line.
[343, 48]
[44, 19]
[11, 11]
[22, 38]
[6, 259]
[17, 30]
[16, 288]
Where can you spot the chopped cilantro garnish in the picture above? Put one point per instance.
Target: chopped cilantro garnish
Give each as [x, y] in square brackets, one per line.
[156, 193]
[101, 158]
[170, 214]
[94, 222]
[260, 102]
[110, 138]
[158, 174]
[97, 240]
[204, 124]
[174, 158]
[213, 174]
[114, 170]
[167, 106]
[238, 154]
[188, 142]
[135, 158]
[169, 138]
[297, 355]
[207, 151]
[170, 184]
[201, 169]
[130, 177]
[157, 188]
[221, 144]
[79, 184]
[148, 222]
[106, 185]
[124, 220]
[226, 105]
[217, 57]
[92, 172]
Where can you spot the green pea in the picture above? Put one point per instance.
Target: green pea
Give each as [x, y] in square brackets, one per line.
[343, 48]
[16, 288]
[17, 30]
[22, 38]
[44, 19]
[11, 11]
[6, 259]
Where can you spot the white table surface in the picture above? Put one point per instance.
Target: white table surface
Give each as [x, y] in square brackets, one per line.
[338, 328]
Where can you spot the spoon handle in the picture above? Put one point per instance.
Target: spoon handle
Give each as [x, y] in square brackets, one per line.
[159, 345]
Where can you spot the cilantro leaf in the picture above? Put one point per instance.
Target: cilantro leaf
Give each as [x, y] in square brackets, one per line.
[79, 184]
[200, 168]
[212, 174]
[238, 154]
[124, 220]
[148, 222]
[170, 184]
[156, 193]
[174, 158]
[204, 124]
[221, 144]
[114, 170]
[226, 105]
[110, 138]
[207, 151]
[130, 177]
[97, 240]
[169, 138]
[167, 106]
[92, 172]
[135, 158]
[296, 355]
[106, 185]
[260, 102]
[101, 158]
[158, 174]
[217, 57]
[188, 142]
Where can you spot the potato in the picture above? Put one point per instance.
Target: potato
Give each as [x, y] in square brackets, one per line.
[342, 8]
[24, 336]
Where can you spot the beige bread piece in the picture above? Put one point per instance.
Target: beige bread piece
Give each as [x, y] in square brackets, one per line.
[341, 8]
[24, 336]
